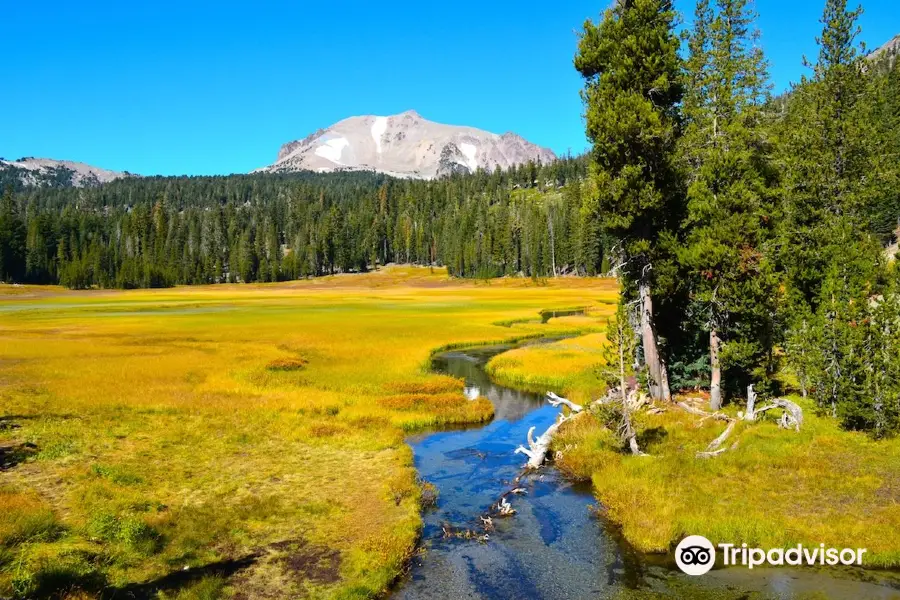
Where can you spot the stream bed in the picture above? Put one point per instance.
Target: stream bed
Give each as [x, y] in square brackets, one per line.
[555, 546]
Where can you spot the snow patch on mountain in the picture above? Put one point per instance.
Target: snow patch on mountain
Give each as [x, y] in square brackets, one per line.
[470, 151]
[332, 149]
[378, 129]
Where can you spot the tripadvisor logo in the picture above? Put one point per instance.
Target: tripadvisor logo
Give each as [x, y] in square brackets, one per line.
[696, 555]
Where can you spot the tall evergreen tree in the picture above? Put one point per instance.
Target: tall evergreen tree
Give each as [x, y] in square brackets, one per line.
[826, 152]
[631, 67]
[12, 240]
[729, 196]
[833, 263]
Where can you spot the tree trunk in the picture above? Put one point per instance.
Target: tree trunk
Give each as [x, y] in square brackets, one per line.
[552, 241]
[750, 414]
[659, 380]
[715, 384]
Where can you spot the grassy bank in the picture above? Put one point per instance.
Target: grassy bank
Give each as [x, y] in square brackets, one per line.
[567, 366]
[242, 441]
[776, 488]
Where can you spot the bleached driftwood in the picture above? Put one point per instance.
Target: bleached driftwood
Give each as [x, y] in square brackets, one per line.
[694, 410]
[505, 508]
[715, 447]
[791, 418]
[555, 400]
[537, 448]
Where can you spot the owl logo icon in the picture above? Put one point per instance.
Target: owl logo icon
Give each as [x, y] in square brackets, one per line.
[695, 555]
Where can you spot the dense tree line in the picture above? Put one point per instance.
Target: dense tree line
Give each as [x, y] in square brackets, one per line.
[160, 231]
[750, 229]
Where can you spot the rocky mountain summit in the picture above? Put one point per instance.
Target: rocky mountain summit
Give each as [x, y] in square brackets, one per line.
[405, 145]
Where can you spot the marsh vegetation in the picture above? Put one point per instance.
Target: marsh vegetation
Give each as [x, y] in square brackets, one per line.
[198, 441]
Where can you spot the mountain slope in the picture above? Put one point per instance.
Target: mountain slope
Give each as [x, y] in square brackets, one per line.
[47, 172]
[888, 52]
[405, 145]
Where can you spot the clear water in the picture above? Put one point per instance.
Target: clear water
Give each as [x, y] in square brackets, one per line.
[555, 546]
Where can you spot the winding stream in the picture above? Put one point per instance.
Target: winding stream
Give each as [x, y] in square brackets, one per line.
[554, 547]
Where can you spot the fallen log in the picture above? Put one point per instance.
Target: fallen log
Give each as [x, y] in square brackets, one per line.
[714, 447]
[555, 400]
[537, 448]
[791, 418]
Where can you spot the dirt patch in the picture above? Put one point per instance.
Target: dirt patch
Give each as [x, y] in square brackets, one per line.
[305, 562]
[13, 454]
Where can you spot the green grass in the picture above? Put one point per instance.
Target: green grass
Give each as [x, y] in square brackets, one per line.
[193, 427]
[776, 488]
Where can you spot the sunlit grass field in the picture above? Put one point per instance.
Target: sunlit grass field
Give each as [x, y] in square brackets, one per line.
[568, 366]
[207, 439]
[775, 489]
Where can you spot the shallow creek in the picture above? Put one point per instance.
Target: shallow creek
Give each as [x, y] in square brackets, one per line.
[555, 546]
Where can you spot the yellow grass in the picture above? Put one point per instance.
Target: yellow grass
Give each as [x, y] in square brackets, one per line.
[146, 432]
[775, 489]
[568, 366]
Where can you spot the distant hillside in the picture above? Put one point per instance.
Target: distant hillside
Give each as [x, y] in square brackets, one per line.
[888, 52]
[47, 172]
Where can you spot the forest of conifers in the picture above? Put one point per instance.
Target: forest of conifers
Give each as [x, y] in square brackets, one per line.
[750, 228]
[160, 231]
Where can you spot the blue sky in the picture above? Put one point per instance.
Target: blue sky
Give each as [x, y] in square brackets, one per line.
[173, 87]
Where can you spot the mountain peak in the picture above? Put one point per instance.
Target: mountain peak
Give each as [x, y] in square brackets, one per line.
[405, 145]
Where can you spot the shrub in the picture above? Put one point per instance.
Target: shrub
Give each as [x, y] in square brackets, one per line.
[287, 364]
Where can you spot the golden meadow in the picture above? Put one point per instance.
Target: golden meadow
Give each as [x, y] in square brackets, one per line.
[146, 433]
[162, 439]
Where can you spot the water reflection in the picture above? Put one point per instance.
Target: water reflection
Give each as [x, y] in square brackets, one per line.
[509, 404]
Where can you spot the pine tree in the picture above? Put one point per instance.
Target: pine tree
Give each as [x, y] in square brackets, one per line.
[833, 264]
[729, 196]
[631, 67]
[826, 153]
[12, 240]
